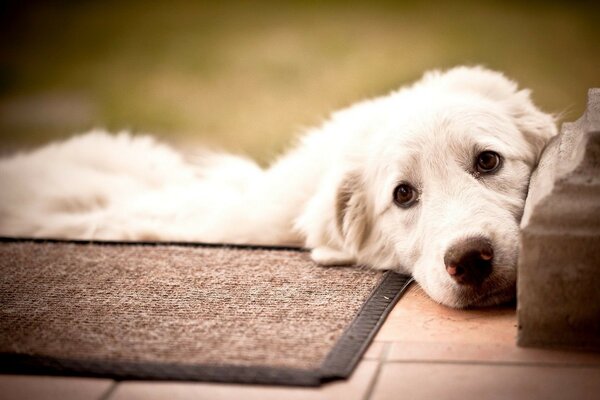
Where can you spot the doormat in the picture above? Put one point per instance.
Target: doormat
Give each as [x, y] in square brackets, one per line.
[184, 311]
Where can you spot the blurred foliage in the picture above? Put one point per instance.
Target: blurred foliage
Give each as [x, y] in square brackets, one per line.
[249, 76]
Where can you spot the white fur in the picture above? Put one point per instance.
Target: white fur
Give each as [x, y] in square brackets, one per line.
[332, 193]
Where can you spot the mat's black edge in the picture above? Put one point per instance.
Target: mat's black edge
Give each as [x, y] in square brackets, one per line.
[338, 364]
[347, 352]
[8, 239]
[120, 370]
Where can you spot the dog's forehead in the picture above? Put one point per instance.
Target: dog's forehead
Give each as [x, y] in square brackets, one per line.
[445, 134]
[449, 125]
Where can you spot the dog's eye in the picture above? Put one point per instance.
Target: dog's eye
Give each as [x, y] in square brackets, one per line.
[487, 161]
[405, 195]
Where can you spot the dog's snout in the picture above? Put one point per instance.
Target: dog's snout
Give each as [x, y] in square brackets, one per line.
[469, 261]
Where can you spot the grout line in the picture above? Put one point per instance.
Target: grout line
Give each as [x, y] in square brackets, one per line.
[375, 379]
[106, 395]
[496, 363]
[387, 347]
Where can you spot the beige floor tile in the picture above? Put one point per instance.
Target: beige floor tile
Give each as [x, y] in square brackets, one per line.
[20, 387]
[375, 350]
[355, 388]
[417, 318]
[463, 381]
[487, 352]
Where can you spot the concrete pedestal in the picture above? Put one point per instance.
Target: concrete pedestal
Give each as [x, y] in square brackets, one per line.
[558, 285]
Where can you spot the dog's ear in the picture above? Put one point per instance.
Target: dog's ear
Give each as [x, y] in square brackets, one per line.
[351, 212]
[351, 222]
[536, 126]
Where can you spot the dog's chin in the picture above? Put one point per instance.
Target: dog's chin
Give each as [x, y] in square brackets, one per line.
[489, 294]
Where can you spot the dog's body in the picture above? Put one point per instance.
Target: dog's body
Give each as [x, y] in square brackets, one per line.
[394, 182]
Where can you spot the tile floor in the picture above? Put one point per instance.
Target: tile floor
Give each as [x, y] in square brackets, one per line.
[423, 351]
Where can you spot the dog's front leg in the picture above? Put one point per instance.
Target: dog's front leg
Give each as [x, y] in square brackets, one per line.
[331, 257]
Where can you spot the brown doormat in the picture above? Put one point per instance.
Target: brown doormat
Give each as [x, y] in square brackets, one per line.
[185, 312]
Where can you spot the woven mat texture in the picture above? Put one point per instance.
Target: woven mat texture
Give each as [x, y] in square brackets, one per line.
[175, 304]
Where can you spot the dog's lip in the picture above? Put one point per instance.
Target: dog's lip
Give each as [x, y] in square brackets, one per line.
[482, 297]
[501, 296]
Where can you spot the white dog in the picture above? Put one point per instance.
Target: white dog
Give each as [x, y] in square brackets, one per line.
[429, 180]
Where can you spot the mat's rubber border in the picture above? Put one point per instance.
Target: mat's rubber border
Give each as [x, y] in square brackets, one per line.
[151, 243]
[339, 363]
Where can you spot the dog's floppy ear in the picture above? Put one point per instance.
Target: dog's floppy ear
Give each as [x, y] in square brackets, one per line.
[536, 126]
[351, 211]
[351, 222]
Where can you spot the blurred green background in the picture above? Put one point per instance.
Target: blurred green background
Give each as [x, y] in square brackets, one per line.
[249, 76]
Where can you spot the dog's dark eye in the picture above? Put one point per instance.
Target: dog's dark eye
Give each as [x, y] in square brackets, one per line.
[487, 161]
[405, 195]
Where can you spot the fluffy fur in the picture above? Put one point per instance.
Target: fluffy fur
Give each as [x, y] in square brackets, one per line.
[332, 193]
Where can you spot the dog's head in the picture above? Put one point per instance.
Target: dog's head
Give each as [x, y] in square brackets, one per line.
[437, 186]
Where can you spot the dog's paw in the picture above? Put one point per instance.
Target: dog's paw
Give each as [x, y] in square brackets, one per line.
[331, 257]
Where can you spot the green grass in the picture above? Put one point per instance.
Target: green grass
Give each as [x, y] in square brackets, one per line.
[249, 76]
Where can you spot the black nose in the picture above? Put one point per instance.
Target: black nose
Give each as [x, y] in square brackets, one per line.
[469, 261]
